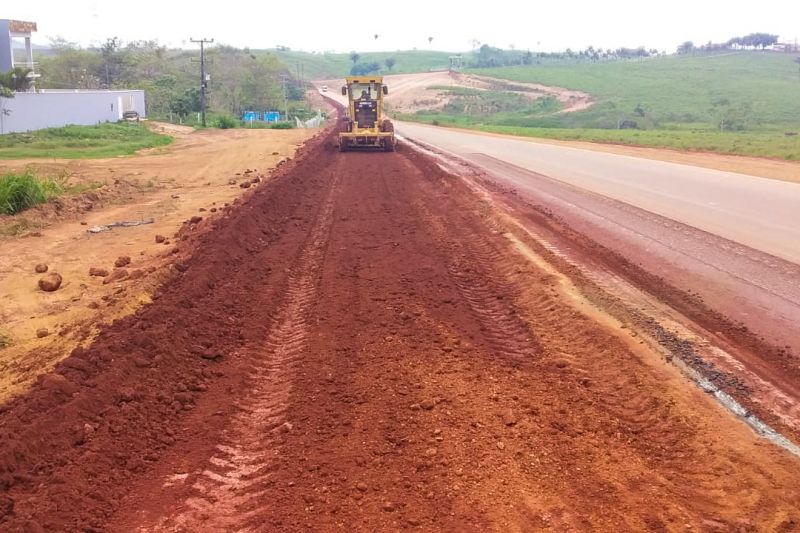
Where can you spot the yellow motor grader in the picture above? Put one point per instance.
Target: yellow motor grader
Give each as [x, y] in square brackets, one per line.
[364, 126]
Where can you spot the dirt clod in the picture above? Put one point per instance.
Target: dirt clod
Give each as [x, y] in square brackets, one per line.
[123, 260]
[427, 404]
[118, 274]
[42, 332]
[58, 383]
[389, 507]
[98, 271]
[41, 268]
[509, 418]
[51, 282]
[160, 239]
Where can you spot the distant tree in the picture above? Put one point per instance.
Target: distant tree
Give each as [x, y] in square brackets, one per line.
[113, 60]
[354, 57]
[686, 47]
[390, 62]
[362, 69]
[730, 117]
[188, 102]
[16, 80]
[752, 40]
[376, 36]
[430, 40]
[527, 57]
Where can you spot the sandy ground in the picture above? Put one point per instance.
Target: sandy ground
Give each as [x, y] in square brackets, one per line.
[199, 173]
[367, 343]
[409, 93]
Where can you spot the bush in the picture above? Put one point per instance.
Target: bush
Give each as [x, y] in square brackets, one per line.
[21, 191]
[225, 122]
[362, 69]
[281, 126]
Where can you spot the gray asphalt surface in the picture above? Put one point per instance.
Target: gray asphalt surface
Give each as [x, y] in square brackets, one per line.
[763, 214]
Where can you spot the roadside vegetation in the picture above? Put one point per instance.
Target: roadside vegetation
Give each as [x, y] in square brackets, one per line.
[20, 191]
[324, 65]
[79, 142]
[240, 79]
[737, 102]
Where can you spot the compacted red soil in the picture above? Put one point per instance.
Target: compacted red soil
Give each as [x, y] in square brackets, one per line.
[358, 346]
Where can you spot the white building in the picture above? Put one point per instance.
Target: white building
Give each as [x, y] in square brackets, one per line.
[34, 110]
[12, 31]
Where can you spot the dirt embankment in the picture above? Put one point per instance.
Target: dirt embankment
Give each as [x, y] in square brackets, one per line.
[409, 93]
[176, 188]
[359, 346]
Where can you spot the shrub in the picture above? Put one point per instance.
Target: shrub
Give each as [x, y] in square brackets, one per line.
[21, 191]
[224, 122]
[281, 126]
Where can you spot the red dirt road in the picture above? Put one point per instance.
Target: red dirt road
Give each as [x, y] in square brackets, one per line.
[360, 347]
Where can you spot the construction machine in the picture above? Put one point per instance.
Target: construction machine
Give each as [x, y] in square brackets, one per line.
[364, 126]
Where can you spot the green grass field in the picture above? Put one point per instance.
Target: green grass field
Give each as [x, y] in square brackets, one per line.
[775, 145]
[81, 142]
[745, 103]
[325, 66]
[675, 91]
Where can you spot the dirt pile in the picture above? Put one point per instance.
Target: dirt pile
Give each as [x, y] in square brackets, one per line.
[358, 346]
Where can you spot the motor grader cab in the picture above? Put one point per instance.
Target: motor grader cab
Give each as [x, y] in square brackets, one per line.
[364, 126]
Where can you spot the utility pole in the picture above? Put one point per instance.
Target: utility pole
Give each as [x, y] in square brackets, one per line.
[284, 80]
[203, 81]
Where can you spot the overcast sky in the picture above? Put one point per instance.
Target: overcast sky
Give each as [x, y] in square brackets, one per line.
[319, 25]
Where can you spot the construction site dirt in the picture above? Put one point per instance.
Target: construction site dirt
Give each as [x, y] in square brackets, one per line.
[369, 343]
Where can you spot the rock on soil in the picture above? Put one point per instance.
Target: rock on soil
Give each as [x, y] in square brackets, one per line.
[509, 419]
[42, 332]
[118, 275]
[50, 282]
[41, 268]
[160, 239]
[122, 261]
[97, 271]
[58, 383]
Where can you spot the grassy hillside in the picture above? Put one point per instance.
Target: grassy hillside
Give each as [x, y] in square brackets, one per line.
[322, 66]
[744, 103]
[761, 89]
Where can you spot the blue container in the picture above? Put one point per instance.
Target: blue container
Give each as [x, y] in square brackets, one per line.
[272, 116]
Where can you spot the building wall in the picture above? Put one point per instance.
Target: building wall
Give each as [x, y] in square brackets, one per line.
[5, 47]
[49, 109]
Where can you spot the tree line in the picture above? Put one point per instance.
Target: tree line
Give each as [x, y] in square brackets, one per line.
[752, 41]
[241, 79]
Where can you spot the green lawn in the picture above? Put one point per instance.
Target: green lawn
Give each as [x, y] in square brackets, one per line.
[81, 142]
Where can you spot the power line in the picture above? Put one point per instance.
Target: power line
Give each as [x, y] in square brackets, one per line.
[203, 80]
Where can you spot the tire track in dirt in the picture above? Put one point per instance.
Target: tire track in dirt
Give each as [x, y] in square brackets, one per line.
[472, 266]
[227, 493]
[413, 402]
